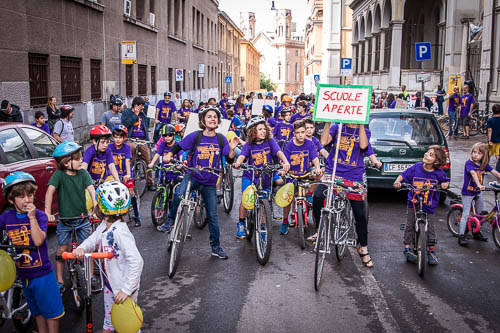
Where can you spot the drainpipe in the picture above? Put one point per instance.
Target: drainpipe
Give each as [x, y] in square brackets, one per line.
[488, 85]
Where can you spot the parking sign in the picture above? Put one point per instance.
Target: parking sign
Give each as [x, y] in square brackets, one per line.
[346, 66]
[423, 51]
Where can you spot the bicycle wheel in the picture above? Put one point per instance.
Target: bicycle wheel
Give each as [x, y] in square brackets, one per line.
[200, 216]
[140, 177]
[444, 123]
[300, 225]
[495, 233]
[78, 287]
[250, 225]
[23, 319]
[180, 231]
[474, 125]
[159, 207]
[453, 220]
[228, 188]
[421, 245]
[321, 249]
[264, 231]
[341, 229]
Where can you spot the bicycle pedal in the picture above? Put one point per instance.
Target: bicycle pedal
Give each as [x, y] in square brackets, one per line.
[402, 226]
[189, 237]
[351, 242]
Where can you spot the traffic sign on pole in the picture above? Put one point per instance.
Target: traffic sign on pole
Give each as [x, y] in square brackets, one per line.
[228, 79]
[346, 66]
[423, 51]
[179, 75]
[316, 77]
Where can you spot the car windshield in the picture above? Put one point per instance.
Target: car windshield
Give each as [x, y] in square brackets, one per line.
[415, 130]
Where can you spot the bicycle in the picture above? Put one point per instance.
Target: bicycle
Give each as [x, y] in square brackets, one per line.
[227, 188]
[87, 286]
[160, 203]
[336, 222]
[476, 219]
[139, 167]
[260, 218]
[301, 205]
[13, 304]
[183, 218]
[420, 236]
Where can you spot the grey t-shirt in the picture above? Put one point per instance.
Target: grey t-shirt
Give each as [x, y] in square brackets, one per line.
[64, 129]
[111, 119]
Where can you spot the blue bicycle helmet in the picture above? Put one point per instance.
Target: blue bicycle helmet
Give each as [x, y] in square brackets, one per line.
[15, 178]
[268, 108]
[65, 149]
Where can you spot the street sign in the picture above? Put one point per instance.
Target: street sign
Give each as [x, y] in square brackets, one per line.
[179, 75]
[316, 77]
[201, 70]
[228, 79]
[423, 51]
[423, 77]
[129, 52]
[346, 66]
[343, 104]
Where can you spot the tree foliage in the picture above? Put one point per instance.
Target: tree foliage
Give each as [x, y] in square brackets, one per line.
[266, 83]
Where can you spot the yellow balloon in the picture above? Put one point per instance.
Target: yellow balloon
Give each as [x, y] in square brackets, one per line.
[7, 271]
[285, 195]
[126, 317]
[248, 197]
[230, 136]
[109, 179]
[88, 200]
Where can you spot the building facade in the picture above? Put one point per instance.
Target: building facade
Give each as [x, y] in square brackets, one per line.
[313, 44]
[229, 55]
[250, 66]
[71, 50]
[385, 33]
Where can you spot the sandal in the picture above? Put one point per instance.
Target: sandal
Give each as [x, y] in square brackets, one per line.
[369, 263]
[312, 238]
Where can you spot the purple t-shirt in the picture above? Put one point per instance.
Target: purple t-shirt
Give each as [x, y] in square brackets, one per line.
[295, 117]
[454, 102]
[19, 231]
[163, 150]
[166, 111]
[317, 143]
[420, 178]
[469, 187]
[98, 162]
[300, 157]
[259, 155]
[283, 131]
[184, 113]
[272, 122]
[206, 154]
[466, 102]
[44, 127]
[138, 128]
[120, 156]
[350, 162]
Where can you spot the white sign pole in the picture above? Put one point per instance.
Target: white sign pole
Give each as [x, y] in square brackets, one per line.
[335, 161]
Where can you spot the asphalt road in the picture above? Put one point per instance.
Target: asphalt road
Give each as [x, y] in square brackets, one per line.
[238, 295]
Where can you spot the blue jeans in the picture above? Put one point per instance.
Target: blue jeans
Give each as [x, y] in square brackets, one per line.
[451, 116]
[440, 108]
[209, 195]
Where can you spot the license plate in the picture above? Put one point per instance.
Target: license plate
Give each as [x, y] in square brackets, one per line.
[395, 167]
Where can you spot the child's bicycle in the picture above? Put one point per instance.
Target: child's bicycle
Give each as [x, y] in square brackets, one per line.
[476, 219]
[260, 218]
[300, 204]
[13, 304]
[74, 267]
[139, 167]
[163, 196]
[86, 287]
[420, 236]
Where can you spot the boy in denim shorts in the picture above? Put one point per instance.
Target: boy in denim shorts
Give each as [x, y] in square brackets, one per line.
[70, 182]
[25, 225]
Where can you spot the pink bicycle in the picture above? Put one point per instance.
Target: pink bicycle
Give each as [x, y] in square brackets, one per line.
[476, 219]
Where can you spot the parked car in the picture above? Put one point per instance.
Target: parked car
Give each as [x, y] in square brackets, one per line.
[26, 148]
[400, 138]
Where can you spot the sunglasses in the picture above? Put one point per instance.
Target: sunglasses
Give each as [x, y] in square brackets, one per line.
[168, 135]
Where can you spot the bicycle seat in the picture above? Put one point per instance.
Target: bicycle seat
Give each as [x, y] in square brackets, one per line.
[495, 186]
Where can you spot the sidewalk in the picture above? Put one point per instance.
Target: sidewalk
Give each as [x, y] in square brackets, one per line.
[459, 154]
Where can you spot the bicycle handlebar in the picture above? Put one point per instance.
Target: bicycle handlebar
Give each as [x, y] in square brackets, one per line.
[213, 171]
[410, 187]
[18, 247]
[95, 255]
[140, 141]
[269, 168]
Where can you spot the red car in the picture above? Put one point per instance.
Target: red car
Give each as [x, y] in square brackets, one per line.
[26, 148]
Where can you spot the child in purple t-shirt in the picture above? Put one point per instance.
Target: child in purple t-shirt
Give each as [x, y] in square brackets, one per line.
[466, 103]
[27, 226]
[168, 134]
[475, 168]
[98, 158]
[182, 114]
[301, 153]
[260, 150]
[40, 122]
[301, 112]
[283, 130]
[420, 175]
[122, 156]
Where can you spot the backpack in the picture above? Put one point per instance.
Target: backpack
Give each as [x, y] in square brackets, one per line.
[197, 141]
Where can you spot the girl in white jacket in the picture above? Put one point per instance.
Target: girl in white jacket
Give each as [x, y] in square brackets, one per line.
[122, 273]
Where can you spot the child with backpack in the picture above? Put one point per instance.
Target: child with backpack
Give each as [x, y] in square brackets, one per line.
[98, 158]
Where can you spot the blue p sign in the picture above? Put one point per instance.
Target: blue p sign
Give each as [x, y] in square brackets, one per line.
[423, 51]
[346, 63]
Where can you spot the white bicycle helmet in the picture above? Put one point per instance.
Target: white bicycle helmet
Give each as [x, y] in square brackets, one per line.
[113, 198]
[255, 121]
